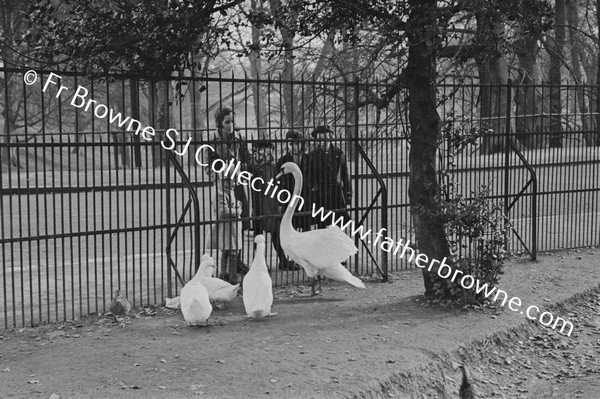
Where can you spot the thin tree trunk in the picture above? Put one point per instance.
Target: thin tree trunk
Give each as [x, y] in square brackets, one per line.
[554, 76]
[573, 24]
[287, 42]
[597, 103]
[6, 16]
[308, 101]
[528, 101]
[260, 108]
[493, 76]
[134, 98]
[350, 129]
[424, 189]
[162, 121]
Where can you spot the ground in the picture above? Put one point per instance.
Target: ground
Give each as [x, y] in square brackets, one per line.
[384, 341]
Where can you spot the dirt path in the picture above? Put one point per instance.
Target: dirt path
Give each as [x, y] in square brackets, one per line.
[341, 343]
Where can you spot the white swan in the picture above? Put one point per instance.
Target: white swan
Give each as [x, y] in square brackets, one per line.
[257, 286]
[320, 252]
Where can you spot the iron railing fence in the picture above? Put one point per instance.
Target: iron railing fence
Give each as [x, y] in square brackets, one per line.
[88, 206]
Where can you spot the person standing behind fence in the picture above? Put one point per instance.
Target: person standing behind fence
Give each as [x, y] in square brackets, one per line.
[296, 152]
[263, 165]
[227, 206]
[327, 176]
[230, 144]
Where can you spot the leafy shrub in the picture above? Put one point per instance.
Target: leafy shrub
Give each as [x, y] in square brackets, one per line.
[476, 227]
[477, 233]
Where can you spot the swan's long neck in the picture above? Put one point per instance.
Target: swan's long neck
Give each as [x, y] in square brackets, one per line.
[291, 207]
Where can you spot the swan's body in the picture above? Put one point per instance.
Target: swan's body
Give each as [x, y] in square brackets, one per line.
[195, 304]
[320, 252]
[218, 290]
[257, 284]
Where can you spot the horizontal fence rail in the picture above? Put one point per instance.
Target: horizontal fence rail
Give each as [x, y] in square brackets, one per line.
[89, 207]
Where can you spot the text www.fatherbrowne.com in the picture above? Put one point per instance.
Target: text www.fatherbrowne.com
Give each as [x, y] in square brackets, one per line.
[467, 281]
[80, 100]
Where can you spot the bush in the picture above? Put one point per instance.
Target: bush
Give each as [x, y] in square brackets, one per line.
[477, 232]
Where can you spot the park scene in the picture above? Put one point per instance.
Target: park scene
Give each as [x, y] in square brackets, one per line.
[299, 199]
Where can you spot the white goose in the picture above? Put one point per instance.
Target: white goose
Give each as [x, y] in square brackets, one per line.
[257, 286]
[320, 252]
[194, 301]
[218, 290]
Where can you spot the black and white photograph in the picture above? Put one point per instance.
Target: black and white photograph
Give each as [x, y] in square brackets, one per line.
[312, 199]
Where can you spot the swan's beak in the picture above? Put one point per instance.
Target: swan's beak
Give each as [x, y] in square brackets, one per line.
[279, 175]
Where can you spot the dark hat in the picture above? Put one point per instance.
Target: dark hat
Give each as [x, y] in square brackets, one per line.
[263, 143]
[321, 130]
[294, 134]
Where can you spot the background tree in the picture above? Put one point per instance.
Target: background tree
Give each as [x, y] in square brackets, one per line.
[429, 30]
[149, 38]
[13, 53]
[555, 48]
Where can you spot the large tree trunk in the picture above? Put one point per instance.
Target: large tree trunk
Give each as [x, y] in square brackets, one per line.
[556, 58]
[424, 190]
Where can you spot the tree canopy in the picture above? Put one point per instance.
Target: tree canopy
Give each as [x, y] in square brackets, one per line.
[149, 37]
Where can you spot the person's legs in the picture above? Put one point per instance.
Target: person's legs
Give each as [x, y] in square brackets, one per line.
[240, 195]
[232, 266]
[282, 260]
[223, 267]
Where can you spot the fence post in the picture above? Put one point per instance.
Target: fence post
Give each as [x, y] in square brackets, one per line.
[168, 216]
[355, 156]
[507, 145]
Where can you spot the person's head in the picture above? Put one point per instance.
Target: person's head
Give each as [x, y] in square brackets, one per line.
[322, 136]
[224, 119]
[296, 144]
[262, 150]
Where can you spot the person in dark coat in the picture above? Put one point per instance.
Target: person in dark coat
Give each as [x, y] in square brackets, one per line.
[262, 165]
[327, 176]
[296, 152]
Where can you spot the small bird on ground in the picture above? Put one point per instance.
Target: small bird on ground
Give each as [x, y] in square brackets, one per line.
[119, 305]
[218, 290]
[257, 284]
[194, 301]
[467, 390]
[320, 252]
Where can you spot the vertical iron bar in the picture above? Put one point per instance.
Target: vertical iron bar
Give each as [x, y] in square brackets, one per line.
[507, 148]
